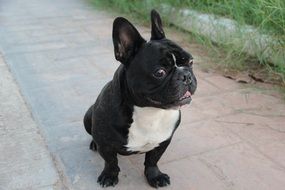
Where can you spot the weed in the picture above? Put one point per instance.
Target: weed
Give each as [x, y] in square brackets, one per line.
[268, 16]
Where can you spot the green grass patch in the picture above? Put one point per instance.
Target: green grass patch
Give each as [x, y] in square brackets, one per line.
[268, 16]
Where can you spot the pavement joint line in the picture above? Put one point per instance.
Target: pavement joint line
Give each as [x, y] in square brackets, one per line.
[18, 86]
[22, 100]
[233, 112]
[213, 84]
[31, 113]
[60, 169]
[204, 152]
[264, 115]
[224, 92]
[234, 122]
[227, 182]
[273, 129]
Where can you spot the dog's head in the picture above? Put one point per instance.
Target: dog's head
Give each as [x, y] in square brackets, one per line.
[158, 72]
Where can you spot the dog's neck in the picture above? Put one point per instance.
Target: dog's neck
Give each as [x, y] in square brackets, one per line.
[120, 83]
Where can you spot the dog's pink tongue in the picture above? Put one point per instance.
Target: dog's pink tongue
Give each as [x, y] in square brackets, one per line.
[187, 93]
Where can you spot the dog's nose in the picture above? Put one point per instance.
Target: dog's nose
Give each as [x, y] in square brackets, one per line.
[186, 77]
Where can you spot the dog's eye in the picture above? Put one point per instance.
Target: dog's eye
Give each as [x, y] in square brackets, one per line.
[190, 62]
[160, 73]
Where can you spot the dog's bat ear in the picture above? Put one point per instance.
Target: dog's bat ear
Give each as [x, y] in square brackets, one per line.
[126, 39]
[157, 32]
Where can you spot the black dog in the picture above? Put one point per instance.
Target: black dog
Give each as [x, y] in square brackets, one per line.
[138, 111]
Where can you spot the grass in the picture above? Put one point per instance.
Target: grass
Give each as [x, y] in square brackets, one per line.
[268, 16]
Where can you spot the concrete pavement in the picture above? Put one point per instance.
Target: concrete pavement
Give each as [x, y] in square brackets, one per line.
[25, 162]
[60, 54]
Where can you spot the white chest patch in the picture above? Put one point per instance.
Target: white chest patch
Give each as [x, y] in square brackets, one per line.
[150, 127]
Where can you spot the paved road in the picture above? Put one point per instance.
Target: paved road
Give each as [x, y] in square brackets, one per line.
[60, 54]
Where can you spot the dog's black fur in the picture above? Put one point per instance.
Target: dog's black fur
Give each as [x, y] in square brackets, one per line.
[152, 74]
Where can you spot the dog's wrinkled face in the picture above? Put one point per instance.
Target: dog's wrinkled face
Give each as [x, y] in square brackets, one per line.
[159, 72]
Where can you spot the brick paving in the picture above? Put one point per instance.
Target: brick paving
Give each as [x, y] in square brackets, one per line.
[60, 54]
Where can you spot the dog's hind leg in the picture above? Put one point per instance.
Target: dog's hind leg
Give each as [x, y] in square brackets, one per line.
[88, 120]
[88, 127]
[93, 146]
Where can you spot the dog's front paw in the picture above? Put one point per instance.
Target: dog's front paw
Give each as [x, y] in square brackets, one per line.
[156, 178]
[159, 181]
[106, 180]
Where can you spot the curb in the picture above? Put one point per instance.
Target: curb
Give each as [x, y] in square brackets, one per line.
[226, 31]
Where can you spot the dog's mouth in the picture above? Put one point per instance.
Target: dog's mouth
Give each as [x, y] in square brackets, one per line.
[183, 100]
[187, 95]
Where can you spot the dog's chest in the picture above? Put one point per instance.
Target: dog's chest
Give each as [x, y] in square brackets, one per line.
[150, 127]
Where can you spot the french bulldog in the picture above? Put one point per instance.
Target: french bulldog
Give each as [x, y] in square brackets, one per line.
[138, 111]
